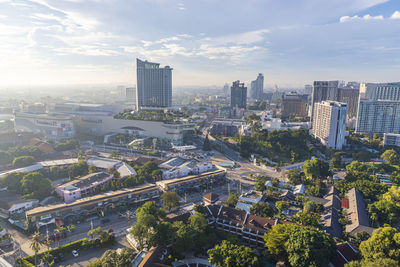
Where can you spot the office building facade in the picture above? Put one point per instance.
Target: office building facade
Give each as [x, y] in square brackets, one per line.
[294, 105]
[154, 86]
[323, 90]
[349, 94]
[380, 91]
[378, 116]
[329, 123]
[390, 139]
[257, 87]
[238, 95]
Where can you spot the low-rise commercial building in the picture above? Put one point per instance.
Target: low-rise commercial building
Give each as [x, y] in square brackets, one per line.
[11, 204]
[52, 126]
[83, 187]
[101, 125]
[178, 167]
[182, 184]
[94, 205]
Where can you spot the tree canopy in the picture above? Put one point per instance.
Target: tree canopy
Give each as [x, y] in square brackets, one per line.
[227, 254]
[390, 156]
[384, 243]
[316, 169]
[302, 246]
[262, 209]
[170, 200]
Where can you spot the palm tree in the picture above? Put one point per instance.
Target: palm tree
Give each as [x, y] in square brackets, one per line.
[36, 244]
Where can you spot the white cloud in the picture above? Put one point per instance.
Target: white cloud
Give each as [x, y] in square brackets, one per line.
[395, 15]
[356, 17]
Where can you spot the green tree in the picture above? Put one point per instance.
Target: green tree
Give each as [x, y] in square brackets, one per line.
[294, 176]
[276, 238]
[163, 235]
[390, 156]
[281, 206]
[383, 262]
[232, 200]
[307, 218]
[23, 161]
[314, 190]
[34, 185]
[197, 222]
[170, 200]
[360, 237]
[184, 237]
[262, 209]
[309, 247]
[206, 144]
[384, 243]
[36, 244]
[231, 255]
[260, 186]
[12, 181]
[336, 161]
[78, 169]
[316, 169]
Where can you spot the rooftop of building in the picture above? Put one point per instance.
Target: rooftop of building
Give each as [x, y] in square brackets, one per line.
[241, 217]
[85, 181]
[188, 178]
[96, 198]
[8, 199]
[358, 218]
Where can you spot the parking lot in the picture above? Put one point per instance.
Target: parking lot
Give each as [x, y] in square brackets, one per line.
[89, 255]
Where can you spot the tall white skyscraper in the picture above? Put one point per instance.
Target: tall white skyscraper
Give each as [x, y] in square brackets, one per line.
[257, 87]
[154, 85]
[329, 123]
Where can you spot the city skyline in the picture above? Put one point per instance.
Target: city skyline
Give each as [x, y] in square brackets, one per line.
[72, 42]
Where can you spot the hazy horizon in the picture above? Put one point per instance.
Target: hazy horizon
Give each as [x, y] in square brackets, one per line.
[76, 43]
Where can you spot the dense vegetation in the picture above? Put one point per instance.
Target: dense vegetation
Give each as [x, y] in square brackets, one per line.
[381, 249]
[301, 246]
[30, 185]
[279, 146]
[8, 156]
[152, 116]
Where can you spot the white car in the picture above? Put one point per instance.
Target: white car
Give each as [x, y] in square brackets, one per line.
[75, 253]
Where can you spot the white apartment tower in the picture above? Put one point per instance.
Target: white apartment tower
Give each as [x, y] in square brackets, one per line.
[329, 123]
[154, 85]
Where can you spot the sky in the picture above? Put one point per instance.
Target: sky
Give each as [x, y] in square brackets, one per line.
[206, 42]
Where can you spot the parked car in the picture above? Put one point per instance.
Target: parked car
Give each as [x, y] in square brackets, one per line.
[75, 253]
[61, 256]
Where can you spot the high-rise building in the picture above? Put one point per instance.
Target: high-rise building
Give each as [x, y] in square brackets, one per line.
[378, 116]
[329, 123]
[390, 139]
[238, 95]
[257, 87]
[130, 93]
[154, 85]
[324, 90]
[349, 94]
[225, 89]
[380, 91]
[308, 89]
[294, 105]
